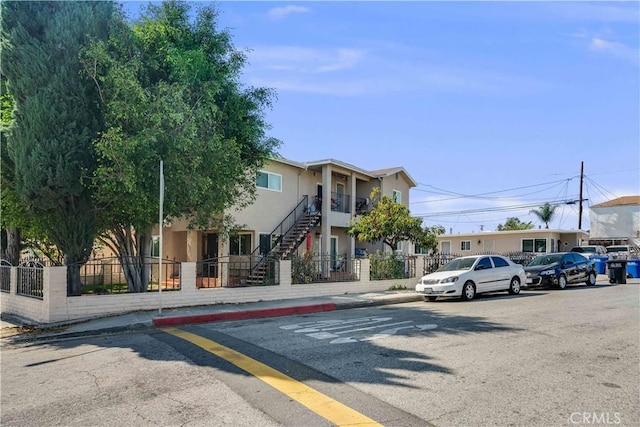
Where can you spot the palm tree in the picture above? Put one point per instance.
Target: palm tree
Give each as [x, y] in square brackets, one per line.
[546, 213]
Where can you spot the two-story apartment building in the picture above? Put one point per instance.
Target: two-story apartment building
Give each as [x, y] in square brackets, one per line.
[300, 207]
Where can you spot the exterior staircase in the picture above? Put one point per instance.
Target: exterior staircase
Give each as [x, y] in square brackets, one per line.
[286, 238]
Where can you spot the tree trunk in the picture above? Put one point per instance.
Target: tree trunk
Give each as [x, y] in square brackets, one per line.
[132, 249]
[11, 245]
[74, 284]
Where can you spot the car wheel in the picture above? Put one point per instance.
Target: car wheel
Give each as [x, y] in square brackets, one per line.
[432, 299]
[468, 291]
[591, 279]
[612, 281]
[514, 287]
[562, 281]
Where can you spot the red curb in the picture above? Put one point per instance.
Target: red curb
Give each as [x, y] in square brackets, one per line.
[242, 315]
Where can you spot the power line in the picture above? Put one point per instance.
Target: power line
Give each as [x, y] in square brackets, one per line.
[481, 195]
[492, 209]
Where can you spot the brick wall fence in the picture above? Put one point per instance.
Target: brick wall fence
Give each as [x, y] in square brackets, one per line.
[55, 306]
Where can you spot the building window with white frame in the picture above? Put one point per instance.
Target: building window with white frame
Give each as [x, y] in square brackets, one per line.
[465, 245]
[396, 196]
[240, 244]
[269, 180]
[534, 245]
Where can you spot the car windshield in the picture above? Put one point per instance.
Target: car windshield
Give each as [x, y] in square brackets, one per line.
[545, 260]
[458, 264]
[617, 249]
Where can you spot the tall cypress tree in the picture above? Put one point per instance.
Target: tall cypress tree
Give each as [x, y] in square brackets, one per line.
[56, 117]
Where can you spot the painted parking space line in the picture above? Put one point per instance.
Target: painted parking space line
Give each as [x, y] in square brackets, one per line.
[323, 405]
[334, 330]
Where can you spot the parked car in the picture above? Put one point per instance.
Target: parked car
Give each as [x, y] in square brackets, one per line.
[623, 252]
[560, 269]
[590, 251]
[468, 276]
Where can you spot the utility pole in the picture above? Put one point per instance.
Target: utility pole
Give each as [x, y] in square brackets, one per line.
[580, 208]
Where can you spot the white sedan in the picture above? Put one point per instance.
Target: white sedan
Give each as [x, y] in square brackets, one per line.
[468, 276]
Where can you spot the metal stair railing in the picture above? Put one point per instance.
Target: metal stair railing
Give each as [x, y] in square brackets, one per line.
[281, 231]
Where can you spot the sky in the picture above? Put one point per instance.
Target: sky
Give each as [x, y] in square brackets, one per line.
[491, 107]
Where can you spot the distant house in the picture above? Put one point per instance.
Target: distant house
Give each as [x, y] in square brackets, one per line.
[502, 242]
[616, 222]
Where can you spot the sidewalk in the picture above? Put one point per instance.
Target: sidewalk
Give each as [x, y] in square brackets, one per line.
[15, 330]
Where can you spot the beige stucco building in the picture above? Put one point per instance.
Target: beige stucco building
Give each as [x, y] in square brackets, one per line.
[330, 192]
[502, 242]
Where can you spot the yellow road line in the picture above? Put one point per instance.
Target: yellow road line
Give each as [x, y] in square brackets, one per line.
[321, 404]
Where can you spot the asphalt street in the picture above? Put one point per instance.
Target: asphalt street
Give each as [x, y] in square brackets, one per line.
[541, 358]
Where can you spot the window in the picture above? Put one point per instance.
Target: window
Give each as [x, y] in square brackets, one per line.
[499, 262]
[269, 180]
[396, 196]
[267, 242]
[465, 245]
[419, 250]
[484, 264]
[534, 245]
[155, 246]
[240, 244]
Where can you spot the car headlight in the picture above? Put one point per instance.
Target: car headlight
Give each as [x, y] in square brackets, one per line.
[449, 279]
[547, 273]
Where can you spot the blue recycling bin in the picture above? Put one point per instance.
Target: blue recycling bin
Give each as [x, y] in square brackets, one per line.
[633, 268]
[601, 264]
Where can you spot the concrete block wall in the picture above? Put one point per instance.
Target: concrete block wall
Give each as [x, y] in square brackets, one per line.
[57, 307]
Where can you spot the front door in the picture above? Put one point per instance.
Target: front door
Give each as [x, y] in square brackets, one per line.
[340, 197]
[210, 252]
[318, 200]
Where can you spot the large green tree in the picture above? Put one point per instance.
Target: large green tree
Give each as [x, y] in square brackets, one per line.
[56, 117]
[391, 223]
[169, 85]
[546, 213]
[514, 223]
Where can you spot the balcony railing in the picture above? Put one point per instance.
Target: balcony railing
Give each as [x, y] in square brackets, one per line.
[340, 202]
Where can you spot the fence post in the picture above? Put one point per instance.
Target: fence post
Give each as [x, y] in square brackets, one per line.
[285, 273]
[420, 265]
[188, 277]
[365, 270]
[54, 294]
[13, 277]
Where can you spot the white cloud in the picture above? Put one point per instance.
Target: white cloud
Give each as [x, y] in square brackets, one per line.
[345, 71]
[618, 50]
[306, 60]
[283, 12]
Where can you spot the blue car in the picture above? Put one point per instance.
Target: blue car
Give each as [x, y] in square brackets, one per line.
[560, 269]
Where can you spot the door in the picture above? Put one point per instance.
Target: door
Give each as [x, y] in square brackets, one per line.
[340, 197]
[581, 267]
[210, 252]
[319, 197]
[445, 247]
[502, 272]
[483, 275]
[570, 268]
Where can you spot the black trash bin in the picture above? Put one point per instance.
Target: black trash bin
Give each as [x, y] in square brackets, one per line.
[617, 271]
